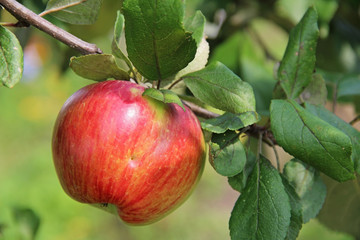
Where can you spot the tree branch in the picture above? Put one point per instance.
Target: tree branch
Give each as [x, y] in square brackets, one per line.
[25, 15]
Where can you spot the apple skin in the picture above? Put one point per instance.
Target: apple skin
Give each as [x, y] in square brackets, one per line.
[115, 148]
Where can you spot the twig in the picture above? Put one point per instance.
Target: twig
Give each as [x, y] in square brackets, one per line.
[199, 111]
[259, 147]
[276, 154]
[355, 120]
[174, 83]
[334, 97]
[25, 15]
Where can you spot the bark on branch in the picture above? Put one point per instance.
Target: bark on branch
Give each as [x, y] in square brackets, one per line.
[24, 15]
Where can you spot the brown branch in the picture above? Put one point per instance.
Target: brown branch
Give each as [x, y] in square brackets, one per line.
[199, 111]
[25, 15]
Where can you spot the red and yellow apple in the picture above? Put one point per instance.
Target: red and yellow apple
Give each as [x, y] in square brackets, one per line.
[113, 147]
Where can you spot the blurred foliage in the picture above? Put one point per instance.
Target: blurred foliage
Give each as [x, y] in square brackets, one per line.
[248, 36]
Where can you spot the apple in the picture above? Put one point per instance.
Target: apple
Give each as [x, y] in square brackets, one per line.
[114, 148]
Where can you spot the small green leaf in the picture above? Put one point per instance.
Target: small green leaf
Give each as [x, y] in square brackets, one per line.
[311, 139]
[308, 185]
[164, 95]
[155, 94]
[229, 121]
[219, 87]
[98, 67]
[238, 182]
[74, 11]
[263, 209]
[315, 92]
[115, 46]
[157, 43]
[28, 222]
[298, 63]
[196, 25]
[340, 124]
[118, 29]
[228, 153]
[296, 219]
[11, 58]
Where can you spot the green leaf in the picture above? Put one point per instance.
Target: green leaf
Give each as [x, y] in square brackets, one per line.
[340, 124]
[245, 57]
[298, 63]
[238, 182]
[229, 121]
[115, 46]
[342, 207]
[263, 209]
[219, 87]
[196, 25]
[311, 139]
[74, 11]
[157, 43]
[118, 29]
[98, 67]
[164, 95]
[199, 62]
[349, 86]
[308, 185]
[228, 153]
[11, 58]
[296, 219]
[315, 92]
[28, 222]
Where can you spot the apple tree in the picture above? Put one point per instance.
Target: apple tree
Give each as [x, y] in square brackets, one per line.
[250, 98]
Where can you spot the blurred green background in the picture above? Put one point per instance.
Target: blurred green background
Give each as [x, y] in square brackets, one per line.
[248, 36]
